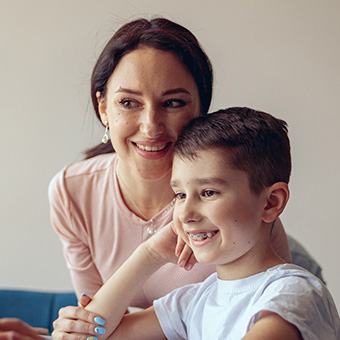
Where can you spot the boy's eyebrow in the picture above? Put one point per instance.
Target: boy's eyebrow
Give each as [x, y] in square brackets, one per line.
[202, 181]
[210, 180]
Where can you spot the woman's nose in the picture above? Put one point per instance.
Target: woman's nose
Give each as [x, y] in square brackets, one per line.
[152, 124]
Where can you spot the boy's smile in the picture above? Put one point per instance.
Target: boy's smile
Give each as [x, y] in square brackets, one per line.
[220, 216]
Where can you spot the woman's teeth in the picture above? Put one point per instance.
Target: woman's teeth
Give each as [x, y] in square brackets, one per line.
[151, 148]
[202, 236]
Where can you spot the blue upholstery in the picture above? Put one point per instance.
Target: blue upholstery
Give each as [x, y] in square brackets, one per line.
[302, 258]
[39, 309]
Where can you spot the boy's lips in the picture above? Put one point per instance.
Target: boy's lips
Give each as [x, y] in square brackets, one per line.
[200, 236]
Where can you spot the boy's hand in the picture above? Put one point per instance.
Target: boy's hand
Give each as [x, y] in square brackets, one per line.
[167, 245]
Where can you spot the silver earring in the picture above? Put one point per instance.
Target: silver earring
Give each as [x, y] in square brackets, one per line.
[105, 138]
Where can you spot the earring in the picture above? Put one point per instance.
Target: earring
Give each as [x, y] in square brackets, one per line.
[105, 138]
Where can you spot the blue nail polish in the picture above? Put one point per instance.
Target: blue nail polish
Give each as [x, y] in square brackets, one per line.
[91, 338]
[84, 294]
[99, 321]
[99, 330]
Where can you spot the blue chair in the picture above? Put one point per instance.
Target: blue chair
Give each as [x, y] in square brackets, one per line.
[302, 258]
[39, 309]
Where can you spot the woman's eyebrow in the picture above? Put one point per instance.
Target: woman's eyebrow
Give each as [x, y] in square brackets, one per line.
[125, 90]
[166, 93]
[175, 91]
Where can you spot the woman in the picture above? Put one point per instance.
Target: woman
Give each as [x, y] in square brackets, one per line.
[150, 80]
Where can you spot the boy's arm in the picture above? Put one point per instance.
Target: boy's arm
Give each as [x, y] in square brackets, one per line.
[272, 326]
[112, 300]
[142, 325]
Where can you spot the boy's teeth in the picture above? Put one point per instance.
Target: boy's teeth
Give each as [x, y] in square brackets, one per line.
[202, 236]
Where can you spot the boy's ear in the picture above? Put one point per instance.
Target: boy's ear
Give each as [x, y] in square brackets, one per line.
[277, 198]
[101, 107]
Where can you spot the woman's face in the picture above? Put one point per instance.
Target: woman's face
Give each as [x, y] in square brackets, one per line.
[149, 98]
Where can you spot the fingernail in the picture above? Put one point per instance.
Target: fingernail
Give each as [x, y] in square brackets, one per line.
[99, 330]
[84, 294]
[91, 338]
[188, 267]
[99, 321]
[182, 263]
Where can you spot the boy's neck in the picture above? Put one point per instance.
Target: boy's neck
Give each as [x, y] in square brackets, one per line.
[257, 260]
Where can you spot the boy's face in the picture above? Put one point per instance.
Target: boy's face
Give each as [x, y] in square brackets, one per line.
[220, 215]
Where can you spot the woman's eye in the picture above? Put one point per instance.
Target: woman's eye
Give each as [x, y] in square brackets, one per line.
[128, 103]
[209, 193]
[180, 196]
[174, 103]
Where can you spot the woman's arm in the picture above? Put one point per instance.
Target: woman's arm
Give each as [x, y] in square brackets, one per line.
[84, 273]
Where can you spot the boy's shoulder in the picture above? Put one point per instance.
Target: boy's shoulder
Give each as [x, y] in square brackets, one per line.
[300, 298]
[292, 280]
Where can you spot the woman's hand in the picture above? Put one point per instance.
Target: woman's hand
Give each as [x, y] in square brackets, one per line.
[168, 245]
[78, 323]
[16, 329]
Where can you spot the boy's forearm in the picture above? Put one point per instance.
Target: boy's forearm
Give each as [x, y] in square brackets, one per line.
[113, 298]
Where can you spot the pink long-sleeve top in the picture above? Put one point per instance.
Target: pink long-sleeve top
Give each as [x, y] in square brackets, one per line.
[98, 232]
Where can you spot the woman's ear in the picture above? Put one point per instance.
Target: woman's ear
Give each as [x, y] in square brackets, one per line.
[277, 198]
[101, 107]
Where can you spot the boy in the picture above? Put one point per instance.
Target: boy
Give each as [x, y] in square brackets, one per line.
[230, 176]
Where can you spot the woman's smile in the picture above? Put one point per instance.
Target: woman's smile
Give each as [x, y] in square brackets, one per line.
[152, 150]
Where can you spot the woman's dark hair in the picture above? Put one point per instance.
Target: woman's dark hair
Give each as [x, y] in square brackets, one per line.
[158, 33]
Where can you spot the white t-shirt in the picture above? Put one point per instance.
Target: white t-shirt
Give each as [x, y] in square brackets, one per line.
[220, 309]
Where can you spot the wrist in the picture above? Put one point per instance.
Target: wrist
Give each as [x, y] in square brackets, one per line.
[151, 258]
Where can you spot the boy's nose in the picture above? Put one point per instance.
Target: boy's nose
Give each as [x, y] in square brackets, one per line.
[152, 124]
[189, 212]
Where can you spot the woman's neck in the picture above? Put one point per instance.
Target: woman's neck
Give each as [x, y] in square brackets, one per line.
[145, 197]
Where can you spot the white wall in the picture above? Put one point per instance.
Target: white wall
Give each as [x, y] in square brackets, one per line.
[277, 56]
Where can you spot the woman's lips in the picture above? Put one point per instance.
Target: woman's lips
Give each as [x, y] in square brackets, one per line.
[152, 150]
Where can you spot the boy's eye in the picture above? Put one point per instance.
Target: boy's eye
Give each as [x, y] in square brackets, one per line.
[209, 193]
[180, 196]
[174, 103]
